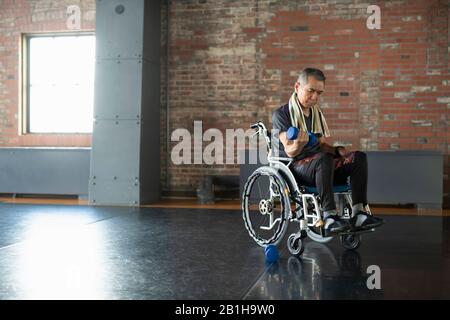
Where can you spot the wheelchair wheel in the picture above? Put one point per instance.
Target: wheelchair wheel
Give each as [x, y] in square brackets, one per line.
[351, 241]
[295, 244]
[266, 206]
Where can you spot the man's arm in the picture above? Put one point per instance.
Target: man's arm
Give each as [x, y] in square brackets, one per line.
[294, 147]
[336, 151]
[282, 122]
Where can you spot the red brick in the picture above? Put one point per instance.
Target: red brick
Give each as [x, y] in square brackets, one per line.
[228, 72]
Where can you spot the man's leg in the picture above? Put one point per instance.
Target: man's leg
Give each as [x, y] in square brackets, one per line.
[355, 167]
[318, 171]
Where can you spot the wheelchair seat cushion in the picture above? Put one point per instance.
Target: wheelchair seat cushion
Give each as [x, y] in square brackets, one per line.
[338, 188]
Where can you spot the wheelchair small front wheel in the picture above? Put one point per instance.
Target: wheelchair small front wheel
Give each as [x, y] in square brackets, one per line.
[351, 241]
[266, 206]
[295, 244]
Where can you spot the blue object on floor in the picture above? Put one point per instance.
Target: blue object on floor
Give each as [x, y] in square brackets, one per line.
[271, 253]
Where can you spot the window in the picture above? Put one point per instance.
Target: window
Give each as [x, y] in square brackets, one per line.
[59, 80]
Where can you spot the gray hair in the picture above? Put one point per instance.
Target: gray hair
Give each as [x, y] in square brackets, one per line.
[316, 73]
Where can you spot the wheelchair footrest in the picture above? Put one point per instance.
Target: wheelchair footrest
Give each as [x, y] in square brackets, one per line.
[357, 232]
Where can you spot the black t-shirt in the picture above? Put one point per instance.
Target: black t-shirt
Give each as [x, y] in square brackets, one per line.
[281, 121]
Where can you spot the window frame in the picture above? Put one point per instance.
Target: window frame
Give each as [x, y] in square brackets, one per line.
[24, 114]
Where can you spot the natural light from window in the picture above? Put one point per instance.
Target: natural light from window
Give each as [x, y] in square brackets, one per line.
[61, 84]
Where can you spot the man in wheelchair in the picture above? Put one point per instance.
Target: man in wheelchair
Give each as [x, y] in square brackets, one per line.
[318, 164]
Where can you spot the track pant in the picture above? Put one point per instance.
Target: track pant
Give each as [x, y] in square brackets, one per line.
[323, 171]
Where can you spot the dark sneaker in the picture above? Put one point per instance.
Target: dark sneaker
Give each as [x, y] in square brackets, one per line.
[364, 221]
[334, 225]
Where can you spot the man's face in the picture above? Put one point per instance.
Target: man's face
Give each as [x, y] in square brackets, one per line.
[309, 94]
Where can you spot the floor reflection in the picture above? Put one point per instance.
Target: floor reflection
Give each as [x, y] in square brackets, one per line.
[56, 252]
[59, 261]
[319, 273]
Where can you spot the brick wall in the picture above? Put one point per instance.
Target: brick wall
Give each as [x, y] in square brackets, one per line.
[18, 17]
[233, 62]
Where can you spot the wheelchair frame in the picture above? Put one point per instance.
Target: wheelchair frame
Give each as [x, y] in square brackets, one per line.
[309, 217]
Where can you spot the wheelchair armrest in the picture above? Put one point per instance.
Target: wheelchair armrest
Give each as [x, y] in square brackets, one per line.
[282, 159]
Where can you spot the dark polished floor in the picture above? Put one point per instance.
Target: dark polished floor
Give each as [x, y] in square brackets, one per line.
[82, 252]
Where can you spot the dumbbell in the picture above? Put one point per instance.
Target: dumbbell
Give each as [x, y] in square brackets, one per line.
[292, 134]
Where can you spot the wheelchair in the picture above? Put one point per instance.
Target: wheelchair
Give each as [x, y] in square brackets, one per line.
[272, 199]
